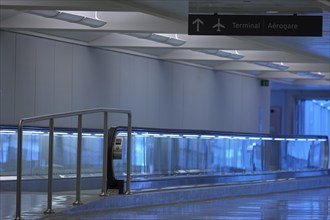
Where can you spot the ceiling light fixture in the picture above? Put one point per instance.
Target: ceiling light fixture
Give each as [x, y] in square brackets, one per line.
[272, 12]
[278, 66]
[69, 17]
[223, 53]
[160, 38]
[312, 75]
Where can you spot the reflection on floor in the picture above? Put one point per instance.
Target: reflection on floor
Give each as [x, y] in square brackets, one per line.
[33, 204]
[307, 204]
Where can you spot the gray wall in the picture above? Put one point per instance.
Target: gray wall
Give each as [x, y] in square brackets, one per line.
[41, 76]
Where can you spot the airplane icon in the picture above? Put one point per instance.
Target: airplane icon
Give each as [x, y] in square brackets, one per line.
[219, 26]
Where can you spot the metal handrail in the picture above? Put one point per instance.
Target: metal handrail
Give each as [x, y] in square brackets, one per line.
[50, 154]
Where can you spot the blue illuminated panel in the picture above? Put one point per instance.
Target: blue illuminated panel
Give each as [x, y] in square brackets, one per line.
[35, 152]
[165, 153]
[168, 153]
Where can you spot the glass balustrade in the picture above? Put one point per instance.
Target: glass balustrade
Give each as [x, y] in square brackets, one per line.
[158, 152]
[35, 152]
[171, 152]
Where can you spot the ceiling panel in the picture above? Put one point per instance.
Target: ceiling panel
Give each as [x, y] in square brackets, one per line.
[169, 17]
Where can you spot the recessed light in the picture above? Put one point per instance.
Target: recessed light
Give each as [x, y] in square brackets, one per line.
[272, 12]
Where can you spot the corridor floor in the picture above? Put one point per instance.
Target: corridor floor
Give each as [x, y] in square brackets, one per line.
[307, 204]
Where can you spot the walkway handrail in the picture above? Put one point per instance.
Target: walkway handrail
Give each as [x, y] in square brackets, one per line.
[79, 141]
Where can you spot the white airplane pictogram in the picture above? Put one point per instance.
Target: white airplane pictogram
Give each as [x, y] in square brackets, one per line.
[219, 26]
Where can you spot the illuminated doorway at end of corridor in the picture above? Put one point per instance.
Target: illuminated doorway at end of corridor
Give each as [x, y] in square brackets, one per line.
[313, 117]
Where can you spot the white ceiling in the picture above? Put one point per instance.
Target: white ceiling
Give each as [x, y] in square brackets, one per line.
[300, 54]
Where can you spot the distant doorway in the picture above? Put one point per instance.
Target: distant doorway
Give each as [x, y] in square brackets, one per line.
[313, 117]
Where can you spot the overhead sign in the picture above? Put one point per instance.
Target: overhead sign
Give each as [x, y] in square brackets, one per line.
[255, 25]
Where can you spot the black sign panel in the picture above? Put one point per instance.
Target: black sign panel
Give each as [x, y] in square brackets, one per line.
[255, 25]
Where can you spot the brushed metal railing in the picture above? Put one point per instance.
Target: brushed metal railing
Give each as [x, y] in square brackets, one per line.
[51, 118]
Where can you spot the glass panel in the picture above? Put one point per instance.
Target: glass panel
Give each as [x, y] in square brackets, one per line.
[8, 152]
[35, 152]
[165, 154]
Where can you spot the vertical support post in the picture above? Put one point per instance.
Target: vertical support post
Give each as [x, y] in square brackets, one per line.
[79, 143]
[129, 149]
[326, 154]
[50, 167]
[105, 154]
[19, 170]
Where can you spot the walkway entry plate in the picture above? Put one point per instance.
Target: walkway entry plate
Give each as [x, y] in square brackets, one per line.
[255, 25]
[118, 148]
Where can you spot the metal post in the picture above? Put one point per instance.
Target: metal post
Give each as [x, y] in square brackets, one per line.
[79, 141]
[19, 170]
[326, 154]
[129, 141]
[105, 155]
[50, 167]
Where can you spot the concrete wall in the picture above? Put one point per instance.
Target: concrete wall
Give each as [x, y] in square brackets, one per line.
[40, 76]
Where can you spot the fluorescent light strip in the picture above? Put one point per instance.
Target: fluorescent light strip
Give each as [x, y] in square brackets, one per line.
[224, 137]
[151, 135]
[279, 139]
[146, 134]
[60, 133]
[83, 134]
[272, 65]
[254, 138]
[33, 132]
[124, 134]
[266, 138]
[322, 139]
[160, 38]
[91, 22]
[240, 138]
[311, 139]
[290, 139]
[172, 135]
[69, 17]
[223, 53]
[7, 132]
[157, 135]
[190, 136]
[100, 135]
[301, 139]
[311, 75]
[86, 134]
[44, 13]
[207, 136]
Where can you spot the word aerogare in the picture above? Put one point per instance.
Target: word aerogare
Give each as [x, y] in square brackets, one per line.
[274, 25]
[271, 25]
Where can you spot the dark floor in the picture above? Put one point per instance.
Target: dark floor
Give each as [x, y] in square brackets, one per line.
[307, 204]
